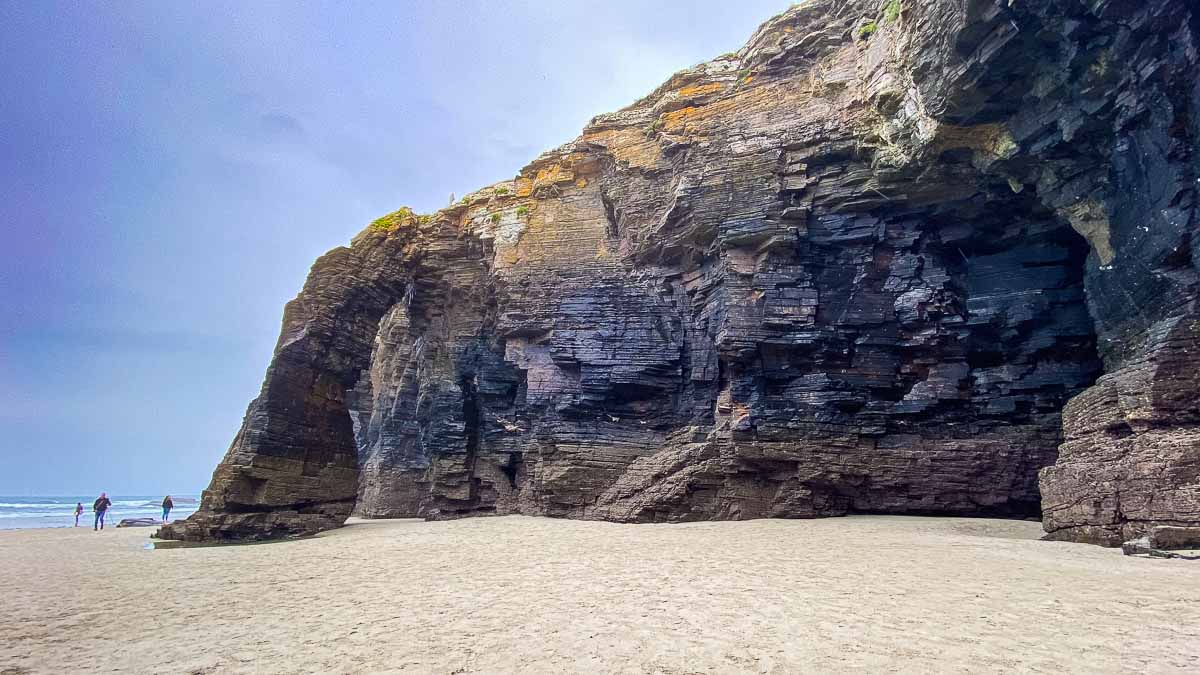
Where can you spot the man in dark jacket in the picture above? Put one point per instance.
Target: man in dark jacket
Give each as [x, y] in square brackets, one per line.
[100, 506]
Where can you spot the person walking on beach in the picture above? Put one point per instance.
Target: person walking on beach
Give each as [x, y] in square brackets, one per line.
[167, 506]
[100, 506]
[78, 512]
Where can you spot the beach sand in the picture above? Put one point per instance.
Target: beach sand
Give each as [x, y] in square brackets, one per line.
[501, 595]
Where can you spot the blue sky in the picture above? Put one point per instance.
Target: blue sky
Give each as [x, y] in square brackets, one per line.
[169, 171]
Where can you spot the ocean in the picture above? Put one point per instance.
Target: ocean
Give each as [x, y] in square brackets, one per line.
[26, 512]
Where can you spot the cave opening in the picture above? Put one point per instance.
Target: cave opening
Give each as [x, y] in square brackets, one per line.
[999, 342]
[512, 468]
[1031, 343]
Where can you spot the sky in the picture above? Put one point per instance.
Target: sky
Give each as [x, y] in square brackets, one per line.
[170, 170]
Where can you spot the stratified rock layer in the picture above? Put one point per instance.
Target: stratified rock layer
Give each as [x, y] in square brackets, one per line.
[859, 266]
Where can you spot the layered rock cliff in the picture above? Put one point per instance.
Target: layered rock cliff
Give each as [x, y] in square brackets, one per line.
[889, 257]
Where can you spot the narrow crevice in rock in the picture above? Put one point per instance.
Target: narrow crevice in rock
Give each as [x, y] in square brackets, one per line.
[471, 421]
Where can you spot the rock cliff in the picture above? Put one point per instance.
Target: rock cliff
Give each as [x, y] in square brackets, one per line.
[889, 257]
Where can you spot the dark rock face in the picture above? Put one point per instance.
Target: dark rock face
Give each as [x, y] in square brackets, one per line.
[1131, 459]
[839, 271]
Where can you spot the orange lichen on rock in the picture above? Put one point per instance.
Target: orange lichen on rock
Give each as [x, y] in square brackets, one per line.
[693, 119]
[555, 173]
[700, 89]
[561, 170]
[676, 120]
[629, 146]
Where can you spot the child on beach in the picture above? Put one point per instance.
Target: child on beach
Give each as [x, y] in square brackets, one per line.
[100, 506]
[78, 512]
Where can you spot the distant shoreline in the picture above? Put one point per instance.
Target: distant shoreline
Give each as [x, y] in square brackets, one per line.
[57, 511]
[109, 523]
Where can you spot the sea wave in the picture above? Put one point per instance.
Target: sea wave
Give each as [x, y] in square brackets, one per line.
[71, 505]
[64, 512]
[59, 511]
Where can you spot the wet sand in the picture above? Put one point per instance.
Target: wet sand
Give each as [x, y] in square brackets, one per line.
[500, 595]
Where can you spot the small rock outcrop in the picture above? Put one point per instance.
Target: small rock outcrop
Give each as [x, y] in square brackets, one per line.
[889, 258]
[1165, 541]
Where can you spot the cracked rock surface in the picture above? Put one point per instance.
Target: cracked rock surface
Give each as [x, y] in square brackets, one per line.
[841, 270]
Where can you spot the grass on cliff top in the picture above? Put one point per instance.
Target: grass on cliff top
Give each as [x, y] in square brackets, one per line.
[400, 217]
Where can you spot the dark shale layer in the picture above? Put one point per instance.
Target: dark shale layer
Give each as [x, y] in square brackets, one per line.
[876, 261]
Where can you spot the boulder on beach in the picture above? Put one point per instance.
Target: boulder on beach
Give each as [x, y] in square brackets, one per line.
[1175, 538]
[138, 522]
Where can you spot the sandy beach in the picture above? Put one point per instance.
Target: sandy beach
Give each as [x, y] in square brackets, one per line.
[497, 595]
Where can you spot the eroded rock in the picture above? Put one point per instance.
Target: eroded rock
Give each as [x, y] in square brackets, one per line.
[1168, 537]
[834, 272]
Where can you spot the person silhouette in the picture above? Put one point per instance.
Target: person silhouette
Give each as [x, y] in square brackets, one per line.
[167, 506]
[100, 506]
[78, 512]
